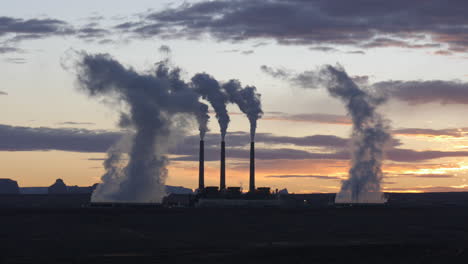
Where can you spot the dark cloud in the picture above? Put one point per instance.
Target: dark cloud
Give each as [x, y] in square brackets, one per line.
[412, 92]
[420, 92]
[212, 154]
[38, 27]
[443, 52]
[360, 23]
[164, 49]
[15, 30]
[242, 139]
[75, 123]
[106, 41]
[312, 118]
[388, 42]
[243, 52]
[3, 93]
[8, 49]
[260, 44]
[16, 60]
[359, 52]
[306, 79]
[430, 189]
[324, 49]
[128, 25]
[429, 132]
[321, 177]
[408, 155]
[441, 176]
[15, 138]
[332, 49]
[91, 32]
[276, 73]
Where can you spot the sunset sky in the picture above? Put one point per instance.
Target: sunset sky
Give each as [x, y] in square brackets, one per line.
[414, 52]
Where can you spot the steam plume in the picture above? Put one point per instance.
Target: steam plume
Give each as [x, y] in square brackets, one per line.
[210, 90]
[369, 136]
[248, 101]
[157, 103]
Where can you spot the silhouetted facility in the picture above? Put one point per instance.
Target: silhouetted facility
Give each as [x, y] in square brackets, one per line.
[201, 166]
[252, 167]
[222, 184]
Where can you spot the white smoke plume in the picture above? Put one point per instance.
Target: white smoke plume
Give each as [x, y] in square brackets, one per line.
[210, 89]
[370, 130]
[248, 101]
[157, 102]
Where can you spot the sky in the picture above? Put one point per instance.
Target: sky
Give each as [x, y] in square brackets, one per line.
[413, 52]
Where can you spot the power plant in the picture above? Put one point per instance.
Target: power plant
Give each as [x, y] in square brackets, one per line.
[222, 196]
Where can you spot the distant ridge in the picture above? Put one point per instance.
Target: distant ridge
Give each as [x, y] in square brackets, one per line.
[76, 189]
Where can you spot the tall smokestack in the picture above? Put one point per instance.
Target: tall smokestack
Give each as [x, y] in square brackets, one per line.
[222, 185]
[252, 167]
[201, 167]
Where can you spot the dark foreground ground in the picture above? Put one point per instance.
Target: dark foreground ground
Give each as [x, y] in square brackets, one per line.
[398, 233]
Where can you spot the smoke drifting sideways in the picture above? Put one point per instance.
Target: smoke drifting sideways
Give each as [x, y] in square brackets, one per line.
[369, 135]
[159, 104]
[248, 101]
[210, 89]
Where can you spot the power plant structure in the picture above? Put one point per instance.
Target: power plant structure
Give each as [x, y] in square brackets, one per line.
[222, 196]
[222, 173]
[252, 167]
[201, 166]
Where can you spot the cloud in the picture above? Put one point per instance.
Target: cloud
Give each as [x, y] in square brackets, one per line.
[16, 60]
[422, 92]
[359, 52]
[8, 49]
[312, 118]
[270, 147]
[16, 138]
[461, 188]
[75, 123]
[243, 52]
[429, 132]
[408, 155]
[212, 154]
[14, 30]
[3, 93]
[34, 27]
[360, 23]
[242, 139]
[91, 32]
[321, 177]
[412, 92]
[332, 49]
[324, 49]
[388, 42]
[430, 176]
[164, 49]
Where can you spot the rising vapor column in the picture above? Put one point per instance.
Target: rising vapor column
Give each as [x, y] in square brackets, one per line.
[222, 184]
[201, 167]
[252, 167]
